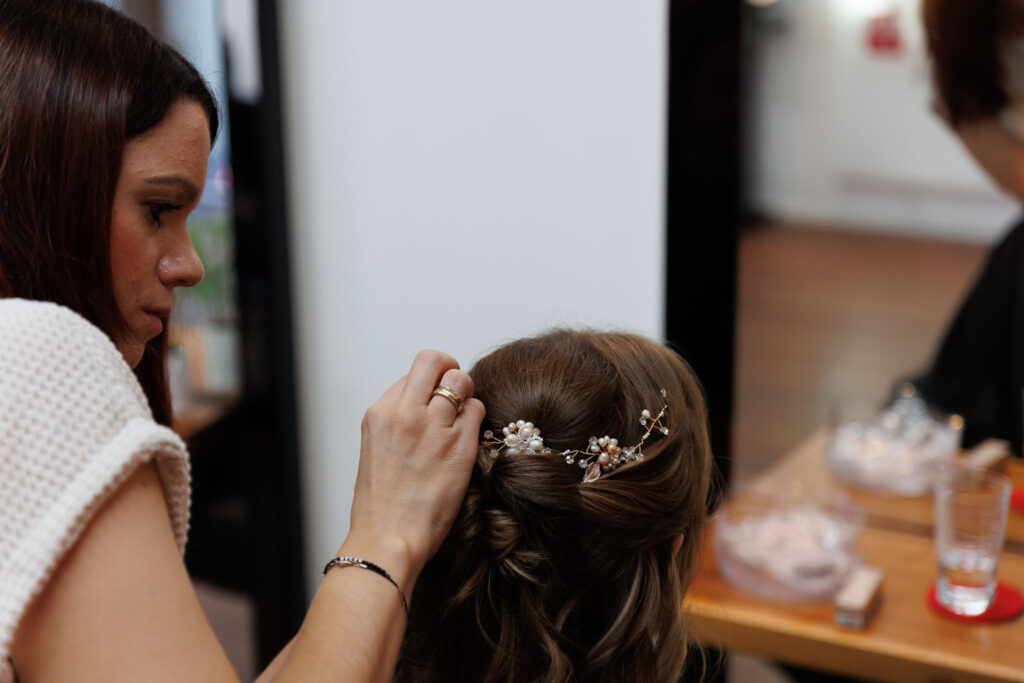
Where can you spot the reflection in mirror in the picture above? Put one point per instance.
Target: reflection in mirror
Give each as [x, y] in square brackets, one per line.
[869, 217]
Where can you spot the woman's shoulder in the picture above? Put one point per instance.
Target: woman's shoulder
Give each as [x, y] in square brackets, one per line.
[43, 325]
[62, 379]
[74, 426]
[74, 421]
[44, 342]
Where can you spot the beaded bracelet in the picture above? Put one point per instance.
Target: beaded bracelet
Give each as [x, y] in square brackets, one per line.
[376, 569]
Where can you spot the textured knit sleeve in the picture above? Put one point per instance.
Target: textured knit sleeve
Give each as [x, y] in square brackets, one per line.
[74, 425]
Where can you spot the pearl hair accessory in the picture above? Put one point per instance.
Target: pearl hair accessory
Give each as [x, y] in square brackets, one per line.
[602, 454]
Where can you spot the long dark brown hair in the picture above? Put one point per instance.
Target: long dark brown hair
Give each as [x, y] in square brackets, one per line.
[544, 577]
[964, 39]
[77, 80]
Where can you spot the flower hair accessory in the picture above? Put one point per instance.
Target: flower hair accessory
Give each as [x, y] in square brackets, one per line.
[602, 454]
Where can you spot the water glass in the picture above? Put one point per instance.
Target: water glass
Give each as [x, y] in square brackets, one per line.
[970, 522]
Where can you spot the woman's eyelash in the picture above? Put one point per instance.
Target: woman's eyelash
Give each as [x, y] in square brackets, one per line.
[157, 209]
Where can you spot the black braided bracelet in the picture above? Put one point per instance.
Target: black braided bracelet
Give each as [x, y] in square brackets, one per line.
[376, 569]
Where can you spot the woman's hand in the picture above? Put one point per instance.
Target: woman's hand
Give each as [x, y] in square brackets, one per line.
[414, 465]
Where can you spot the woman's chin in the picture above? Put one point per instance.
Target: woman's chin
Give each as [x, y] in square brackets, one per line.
[132, 352]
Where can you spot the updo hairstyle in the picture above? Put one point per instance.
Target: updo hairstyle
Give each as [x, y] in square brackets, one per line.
[547, 578]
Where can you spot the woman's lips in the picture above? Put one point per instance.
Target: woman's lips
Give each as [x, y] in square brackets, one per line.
[155, 320]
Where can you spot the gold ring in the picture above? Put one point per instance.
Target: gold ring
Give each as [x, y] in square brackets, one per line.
[449, 393]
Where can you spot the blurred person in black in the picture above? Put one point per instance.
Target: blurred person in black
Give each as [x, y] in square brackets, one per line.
[977, 56]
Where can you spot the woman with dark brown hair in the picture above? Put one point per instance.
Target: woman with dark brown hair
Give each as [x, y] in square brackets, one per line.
[105, 136]
[976, 49]
[581, 527]
[977, 54]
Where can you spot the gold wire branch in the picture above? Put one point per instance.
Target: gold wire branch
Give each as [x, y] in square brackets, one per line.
[602, 454]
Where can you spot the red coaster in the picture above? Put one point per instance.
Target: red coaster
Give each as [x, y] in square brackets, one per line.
[1008, 604]
[1017, 500]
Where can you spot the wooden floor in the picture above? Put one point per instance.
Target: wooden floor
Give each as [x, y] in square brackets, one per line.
[829, 320]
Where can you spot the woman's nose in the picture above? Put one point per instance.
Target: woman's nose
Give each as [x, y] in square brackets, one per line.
[180, 266]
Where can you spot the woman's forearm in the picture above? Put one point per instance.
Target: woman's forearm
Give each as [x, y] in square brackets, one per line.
[354, 627]
[416, 455]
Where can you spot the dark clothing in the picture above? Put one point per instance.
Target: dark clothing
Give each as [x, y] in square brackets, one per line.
[978, 371]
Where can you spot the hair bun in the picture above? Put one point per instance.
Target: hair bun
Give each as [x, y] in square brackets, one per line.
[546, 576]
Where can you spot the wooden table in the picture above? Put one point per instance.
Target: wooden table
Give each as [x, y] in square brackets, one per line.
[808, 466]
[905, 641]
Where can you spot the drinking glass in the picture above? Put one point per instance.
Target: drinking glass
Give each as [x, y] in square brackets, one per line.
[970, 521]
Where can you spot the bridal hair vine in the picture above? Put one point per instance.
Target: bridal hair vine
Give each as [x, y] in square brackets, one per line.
[602, 454]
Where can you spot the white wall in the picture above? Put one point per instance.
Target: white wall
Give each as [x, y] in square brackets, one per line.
[460, 173]
[840, 135]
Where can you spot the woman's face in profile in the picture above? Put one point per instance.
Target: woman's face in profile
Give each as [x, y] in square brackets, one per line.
[163, 172]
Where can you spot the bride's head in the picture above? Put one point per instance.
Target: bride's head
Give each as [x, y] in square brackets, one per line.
[553, 574]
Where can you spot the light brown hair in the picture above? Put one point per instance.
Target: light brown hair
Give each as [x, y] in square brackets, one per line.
[544, 577]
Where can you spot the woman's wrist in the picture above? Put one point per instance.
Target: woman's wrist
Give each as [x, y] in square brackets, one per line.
[390, 553]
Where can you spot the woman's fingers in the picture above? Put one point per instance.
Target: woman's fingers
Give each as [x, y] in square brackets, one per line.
[381, 408]
[394, 392]
[448, 400]
[416, 457]
[468, 440]
[424, 375]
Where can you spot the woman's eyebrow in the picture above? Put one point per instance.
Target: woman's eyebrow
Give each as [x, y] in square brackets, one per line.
[185, 185]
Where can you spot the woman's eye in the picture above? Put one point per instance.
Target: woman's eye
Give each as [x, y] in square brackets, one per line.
[158, 209]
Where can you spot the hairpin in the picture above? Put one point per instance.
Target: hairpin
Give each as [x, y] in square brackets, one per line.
[602, 454]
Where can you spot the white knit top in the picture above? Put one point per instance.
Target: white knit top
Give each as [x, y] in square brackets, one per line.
[74, 424]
